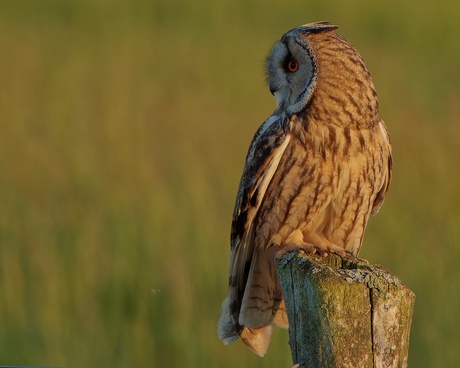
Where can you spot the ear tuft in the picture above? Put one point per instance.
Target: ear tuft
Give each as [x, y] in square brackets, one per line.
[316, 27]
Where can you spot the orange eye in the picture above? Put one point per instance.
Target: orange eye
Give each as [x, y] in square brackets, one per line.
[292, 66]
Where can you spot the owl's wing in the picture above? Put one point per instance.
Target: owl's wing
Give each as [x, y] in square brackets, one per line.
[265, 151]
[387, 168]
[262, 160]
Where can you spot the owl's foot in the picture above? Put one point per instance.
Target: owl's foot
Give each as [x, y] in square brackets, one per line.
[307, 248]
[332, 248]
[310, 243]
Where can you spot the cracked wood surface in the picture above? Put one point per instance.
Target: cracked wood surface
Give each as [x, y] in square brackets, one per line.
[344, 312]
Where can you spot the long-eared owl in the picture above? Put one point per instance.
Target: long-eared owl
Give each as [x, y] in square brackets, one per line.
[316, 169]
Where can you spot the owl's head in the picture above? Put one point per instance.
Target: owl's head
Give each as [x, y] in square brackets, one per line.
[292, 69]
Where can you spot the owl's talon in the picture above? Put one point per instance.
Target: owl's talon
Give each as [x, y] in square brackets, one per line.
[293, 248]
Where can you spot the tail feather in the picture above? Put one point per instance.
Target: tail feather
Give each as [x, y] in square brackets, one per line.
[254, 303]
[257, 339]
[262, 294]
[281, 317]
[225, 328]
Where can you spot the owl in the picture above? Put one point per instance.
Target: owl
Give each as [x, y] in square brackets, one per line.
[315, 171]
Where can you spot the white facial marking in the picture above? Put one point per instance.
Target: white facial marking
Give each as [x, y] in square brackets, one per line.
[279, 97]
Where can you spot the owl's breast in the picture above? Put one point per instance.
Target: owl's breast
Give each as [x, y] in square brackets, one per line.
[302, 186]
[325, 192]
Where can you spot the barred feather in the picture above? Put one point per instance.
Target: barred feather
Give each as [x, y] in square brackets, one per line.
[315, 171]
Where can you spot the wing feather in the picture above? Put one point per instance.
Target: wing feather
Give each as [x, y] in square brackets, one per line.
[265, 152]
[388, 168]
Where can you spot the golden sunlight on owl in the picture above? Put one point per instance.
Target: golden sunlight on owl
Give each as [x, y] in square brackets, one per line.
[315, 171]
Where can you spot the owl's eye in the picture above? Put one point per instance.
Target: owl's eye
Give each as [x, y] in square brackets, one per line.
[292, 66]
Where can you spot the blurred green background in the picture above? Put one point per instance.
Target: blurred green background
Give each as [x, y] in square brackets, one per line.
[123, 131]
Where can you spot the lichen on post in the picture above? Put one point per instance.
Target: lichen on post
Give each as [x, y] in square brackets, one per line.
[344, 312]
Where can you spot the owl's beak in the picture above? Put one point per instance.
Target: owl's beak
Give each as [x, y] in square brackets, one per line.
[273, 89]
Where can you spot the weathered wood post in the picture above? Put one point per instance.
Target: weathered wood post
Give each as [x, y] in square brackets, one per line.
[344, 312]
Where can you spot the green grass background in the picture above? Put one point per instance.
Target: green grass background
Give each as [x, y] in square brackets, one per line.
[123, 131]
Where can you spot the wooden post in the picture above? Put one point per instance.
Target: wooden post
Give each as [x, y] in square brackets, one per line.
[344, 312]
